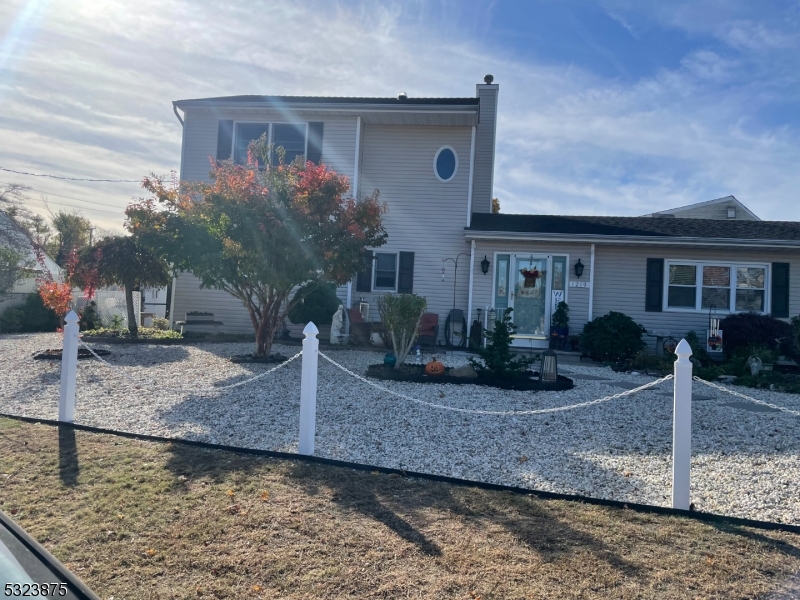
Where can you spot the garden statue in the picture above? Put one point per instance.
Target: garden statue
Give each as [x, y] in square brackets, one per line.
[336, 325]
[755, 365]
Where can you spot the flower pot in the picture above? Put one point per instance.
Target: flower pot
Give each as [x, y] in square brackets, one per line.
[390, 359]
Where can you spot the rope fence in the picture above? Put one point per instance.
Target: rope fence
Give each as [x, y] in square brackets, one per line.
[503, 413]
[710, 384]
[206, 390]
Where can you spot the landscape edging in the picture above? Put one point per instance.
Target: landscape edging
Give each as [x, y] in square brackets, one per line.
[636, 507]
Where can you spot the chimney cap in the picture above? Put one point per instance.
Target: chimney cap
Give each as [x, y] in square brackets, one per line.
[488, 79]
[402, 96]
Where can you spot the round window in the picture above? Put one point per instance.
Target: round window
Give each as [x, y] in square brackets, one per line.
[445, 163]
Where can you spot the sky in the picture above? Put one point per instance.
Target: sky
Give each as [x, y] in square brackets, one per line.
[615, 107]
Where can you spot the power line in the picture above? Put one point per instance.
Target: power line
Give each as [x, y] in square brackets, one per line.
[67, 197]
[69, 178]
[112, 212]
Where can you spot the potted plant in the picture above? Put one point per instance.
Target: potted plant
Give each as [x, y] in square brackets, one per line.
[560, 321]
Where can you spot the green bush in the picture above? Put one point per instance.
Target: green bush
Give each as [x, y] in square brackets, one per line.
[143, 333]
[614, 337]
[30, 316]
[161, 323]
[318, 304]
[698, 348]
[498, 360]
[89, 317]
[746, 329]
[653, 363]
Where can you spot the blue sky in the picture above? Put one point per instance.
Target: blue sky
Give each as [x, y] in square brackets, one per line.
[610, 107]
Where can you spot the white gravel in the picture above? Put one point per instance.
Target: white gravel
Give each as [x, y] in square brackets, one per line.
[744, 463]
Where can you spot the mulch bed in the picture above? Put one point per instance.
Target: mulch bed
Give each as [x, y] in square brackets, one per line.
[253, 359]
[416, 374]
[55, 354]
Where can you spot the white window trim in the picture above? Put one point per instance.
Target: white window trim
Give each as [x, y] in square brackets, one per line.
[375, 271]
[699, 285]
[436, 157]
[270, 125]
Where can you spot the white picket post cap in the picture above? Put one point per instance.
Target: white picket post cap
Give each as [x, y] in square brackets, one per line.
[684, 350]
[310, 330]
[71, 318]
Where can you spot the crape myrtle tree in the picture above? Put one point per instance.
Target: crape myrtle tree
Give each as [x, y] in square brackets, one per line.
[122, 260]
[258, 233]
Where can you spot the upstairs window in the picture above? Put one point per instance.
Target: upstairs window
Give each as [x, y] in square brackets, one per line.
[445, 163]
[290, 136]
[243, 135]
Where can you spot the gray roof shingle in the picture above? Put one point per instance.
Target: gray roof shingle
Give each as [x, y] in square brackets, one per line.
[655, 227]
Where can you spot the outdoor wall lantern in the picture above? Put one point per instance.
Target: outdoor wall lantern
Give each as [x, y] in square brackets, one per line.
[548, 373]
[485, 265]
[578, 269]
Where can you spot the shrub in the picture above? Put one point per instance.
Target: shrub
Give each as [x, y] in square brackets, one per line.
[561, 315]
[401, 315]
[698, 348]
[89, 317]
[498, 360]
[142, 333]
[318, 304]
[30, 316]
[746, 329]
[614, 337]
[161, 323]
[653, 363]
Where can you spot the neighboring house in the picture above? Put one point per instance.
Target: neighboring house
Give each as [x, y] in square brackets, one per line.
[28, 285]
[721, 208]
[433, 160]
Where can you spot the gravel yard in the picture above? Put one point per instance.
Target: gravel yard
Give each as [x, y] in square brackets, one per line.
[746, 459]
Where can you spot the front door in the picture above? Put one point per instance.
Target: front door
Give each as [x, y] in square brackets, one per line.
[530, 299]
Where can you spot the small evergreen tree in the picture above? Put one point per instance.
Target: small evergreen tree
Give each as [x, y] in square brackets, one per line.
[497, 359]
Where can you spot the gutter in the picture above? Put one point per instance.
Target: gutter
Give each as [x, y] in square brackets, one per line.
[338, 107]
[630, 239]
[175, 110]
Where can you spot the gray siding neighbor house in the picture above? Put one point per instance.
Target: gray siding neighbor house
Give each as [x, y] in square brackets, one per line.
[432, 159]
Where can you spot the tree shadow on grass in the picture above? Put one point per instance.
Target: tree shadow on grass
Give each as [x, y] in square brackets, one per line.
[68, 466]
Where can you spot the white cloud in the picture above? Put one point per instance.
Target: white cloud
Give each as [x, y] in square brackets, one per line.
[90, 94]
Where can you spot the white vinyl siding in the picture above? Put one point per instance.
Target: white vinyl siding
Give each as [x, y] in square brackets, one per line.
[621, 276]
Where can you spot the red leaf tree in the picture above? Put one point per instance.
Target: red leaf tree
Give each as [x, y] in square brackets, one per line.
[260, 233]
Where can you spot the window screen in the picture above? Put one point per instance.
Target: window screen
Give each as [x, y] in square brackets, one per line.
[292, 138]
[385, 270]
[246, 133]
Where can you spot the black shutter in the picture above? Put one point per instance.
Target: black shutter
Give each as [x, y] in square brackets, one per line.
[405, 280]
[654, 291]
[780, 290]
[364, 278]
[224, 139]
[315, 142]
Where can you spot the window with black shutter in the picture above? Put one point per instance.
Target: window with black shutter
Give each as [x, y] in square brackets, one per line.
[314, 153]
[780, 290]
[405, 278]
[224, 139]
[364, 277]
[654, 285]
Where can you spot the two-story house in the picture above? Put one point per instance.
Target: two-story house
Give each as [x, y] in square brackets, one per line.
[433, 161]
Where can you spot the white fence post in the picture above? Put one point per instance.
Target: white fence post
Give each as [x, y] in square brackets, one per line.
[308, 390]
[682, 427]
[69, 369]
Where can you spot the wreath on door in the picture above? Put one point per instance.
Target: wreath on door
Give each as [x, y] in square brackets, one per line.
[530, 276]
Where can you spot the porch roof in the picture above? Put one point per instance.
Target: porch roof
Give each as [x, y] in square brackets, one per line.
[649, 230]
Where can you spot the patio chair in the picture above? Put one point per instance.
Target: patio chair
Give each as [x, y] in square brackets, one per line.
[428, 330]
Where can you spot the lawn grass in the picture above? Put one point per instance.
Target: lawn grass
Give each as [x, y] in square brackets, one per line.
[153, 520]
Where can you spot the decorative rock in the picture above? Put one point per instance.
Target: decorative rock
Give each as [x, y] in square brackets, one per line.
[744, 463]
[467, 371]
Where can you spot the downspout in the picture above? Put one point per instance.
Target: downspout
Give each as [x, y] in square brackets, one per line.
[591, 285]
[172, 303]
[471, 176]
[358, 155]
[469, 296]
[175, 110]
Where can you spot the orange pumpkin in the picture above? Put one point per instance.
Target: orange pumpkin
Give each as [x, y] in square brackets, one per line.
[434, 367]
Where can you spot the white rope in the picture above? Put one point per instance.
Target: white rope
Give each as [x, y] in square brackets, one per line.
[506, 413]
[745, 397]
[183, 388]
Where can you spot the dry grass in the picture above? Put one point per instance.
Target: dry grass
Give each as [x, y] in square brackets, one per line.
[147, 520]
